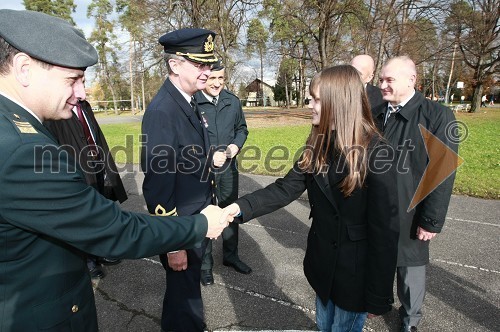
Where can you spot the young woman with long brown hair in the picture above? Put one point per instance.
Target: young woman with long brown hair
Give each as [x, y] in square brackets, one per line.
[349, 173]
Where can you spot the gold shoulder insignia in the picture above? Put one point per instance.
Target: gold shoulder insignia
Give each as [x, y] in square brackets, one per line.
[25, 127]
[160, 211]
[209, 44]
[17, 116]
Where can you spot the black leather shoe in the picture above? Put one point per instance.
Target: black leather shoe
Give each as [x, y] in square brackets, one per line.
[97, 272]
[408, 328]
[239, 266]
[207, 277]
[108, 261]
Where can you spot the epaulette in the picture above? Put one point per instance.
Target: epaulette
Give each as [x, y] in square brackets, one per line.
[24, 127]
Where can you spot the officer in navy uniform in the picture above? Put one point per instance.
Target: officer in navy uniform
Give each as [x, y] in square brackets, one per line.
[227, 132]
[175, 159]
[49, 216]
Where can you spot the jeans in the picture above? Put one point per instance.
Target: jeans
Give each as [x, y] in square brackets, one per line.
[334, 319]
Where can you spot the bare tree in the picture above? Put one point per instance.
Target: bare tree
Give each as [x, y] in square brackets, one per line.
[475, 24]
[257, 36]
[103, 38]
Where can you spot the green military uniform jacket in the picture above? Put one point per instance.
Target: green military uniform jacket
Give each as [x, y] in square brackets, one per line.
[49, 217]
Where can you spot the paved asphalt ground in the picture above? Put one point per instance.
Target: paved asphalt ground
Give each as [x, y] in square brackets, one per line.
[463, 276]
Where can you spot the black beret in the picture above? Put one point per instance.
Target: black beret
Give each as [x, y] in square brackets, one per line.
[46, 38]
[217, 66]
[194, 44]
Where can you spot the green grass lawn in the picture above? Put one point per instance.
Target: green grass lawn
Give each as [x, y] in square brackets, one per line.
[272, 150]
[479, 175]
[123, 141]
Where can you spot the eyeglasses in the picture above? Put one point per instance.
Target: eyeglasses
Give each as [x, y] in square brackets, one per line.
[199, 66]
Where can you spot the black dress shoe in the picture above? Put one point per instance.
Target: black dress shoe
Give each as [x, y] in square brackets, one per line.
[239, 266]
[108, 261]
[207, 278]
[97, 272]
[408, 328]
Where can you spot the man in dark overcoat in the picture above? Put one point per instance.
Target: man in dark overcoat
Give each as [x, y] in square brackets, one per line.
[93, 156]
[227, 132]
[400, 119]
[175, 159]
[50, 218]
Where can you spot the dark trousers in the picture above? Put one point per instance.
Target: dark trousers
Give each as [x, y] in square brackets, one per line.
[227, 192]
[182, 303]
[411, 293]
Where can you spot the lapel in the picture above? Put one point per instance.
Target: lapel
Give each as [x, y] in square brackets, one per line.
[378, 114]
[185, 107]
[410, 109]
[223, 101]
[324, 184]
[89, 115]
[202, 126]
[76, 130]
[188, 112]
[393, 127]
[328, 181]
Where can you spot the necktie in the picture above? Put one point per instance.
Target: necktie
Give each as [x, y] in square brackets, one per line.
[195, 109]
[214, 101]
[86, 130]
[391, 110]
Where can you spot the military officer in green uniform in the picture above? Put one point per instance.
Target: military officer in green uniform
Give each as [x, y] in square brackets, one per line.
[49, 216]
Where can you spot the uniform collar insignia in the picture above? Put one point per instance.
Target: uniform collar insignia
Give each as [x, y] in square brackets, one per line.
[25, 127]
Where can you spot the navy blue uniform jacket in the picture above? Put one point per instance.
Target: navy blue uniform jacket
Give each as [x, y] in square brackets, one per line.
[174, 157]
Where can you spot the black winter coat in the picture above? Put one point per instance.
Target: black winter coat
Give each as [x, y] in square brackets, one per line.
[352, 244]
[69, 134]
[403, 132]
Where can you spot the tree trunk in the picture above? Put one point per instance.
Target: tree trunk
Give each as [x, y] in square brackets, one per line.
[261, 53]
[286, 93]
[130, 68]
[478, 86]
[447, 96]
[112, 90]
[302, 74]
[476, 98]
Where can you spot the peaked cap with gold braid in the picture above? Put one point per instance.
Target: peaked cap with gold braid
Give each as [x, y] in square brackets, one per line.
[196, 45]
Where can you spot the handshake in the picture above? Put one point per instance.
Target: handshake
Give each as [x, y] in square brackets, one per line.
[218, 218]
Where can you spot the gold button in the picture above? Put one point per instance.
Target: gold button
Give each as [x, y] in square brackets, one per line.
[74, 308]
[212, 182]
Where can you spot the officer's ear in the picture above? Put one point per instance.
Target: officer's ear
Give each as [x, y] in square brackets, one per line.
[174, 65]
[22, 67]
